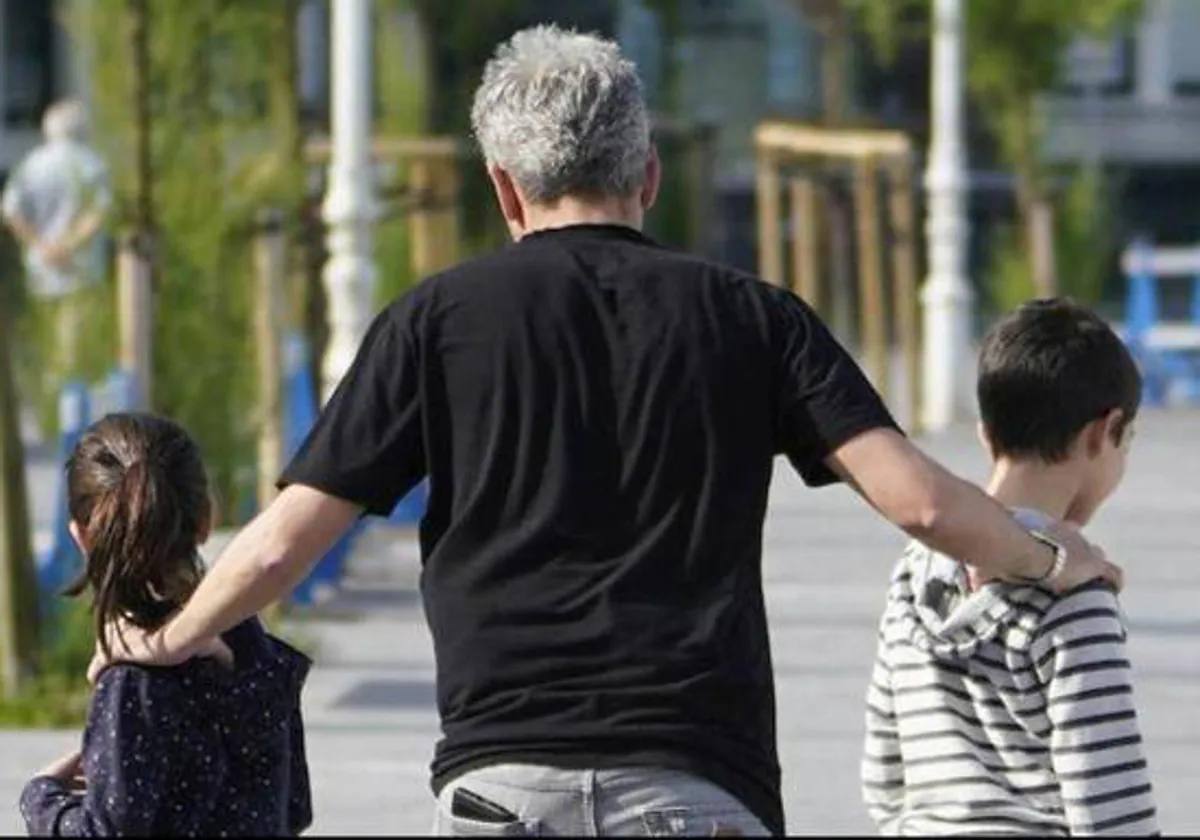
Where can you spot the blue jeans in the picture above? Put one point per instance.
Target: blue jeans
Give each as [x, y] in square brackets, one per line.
[629, 801]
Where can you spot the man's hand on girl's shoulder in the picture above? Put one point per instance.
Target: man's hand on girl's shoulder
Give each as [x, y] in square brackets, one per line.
[137, 646]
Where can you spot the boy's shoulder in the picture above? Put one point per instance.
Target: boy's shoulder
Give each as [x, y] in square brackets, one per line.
[1078, 611]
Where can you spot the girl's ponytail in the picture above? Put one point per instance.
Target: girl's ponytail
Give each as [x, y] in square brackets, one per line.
[138, 492]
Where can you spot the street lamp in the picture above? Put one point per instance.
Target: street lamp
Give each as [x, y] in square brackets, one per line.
[349, 209]
[947, 298]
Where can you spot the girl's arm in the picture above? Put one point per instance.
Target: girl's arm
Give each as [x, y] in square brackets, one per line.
[127, 751]
[1096, 746]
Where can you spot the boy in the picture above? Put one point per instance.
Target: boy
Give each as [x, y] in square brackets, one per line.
[1000, 708]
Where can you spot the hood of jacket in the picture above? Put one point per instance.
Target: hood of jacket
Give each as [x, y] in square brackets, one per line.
[939, 613]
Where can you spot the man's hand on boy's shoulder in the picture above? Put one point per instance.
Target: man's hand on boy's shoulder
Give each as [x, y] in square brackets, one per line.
[1085, 561]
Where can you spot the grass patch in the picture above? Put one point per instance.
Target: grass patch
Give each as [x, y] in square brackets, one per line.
[57, 695]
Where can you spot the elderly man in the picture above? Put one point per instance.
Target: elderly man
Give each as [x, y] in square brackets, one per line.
[55, 203]
[598, 416]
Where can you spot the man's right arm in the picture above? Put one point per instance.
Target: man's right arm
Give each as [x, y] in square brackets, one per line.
[264, 562]
[955, 517]
[364, 453]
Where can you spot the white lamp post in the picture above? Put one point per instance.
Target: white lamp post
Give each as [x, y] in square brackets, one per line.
[947, 298]
[349, 209]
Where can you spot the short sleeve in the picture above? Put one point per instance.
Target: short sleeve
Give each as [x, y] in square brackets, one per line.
[824, 398]
[367, 445]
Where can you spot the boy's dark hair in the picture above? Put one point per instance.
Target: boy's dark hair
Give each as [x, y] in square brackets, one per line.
[1048, 369]
[138, 490]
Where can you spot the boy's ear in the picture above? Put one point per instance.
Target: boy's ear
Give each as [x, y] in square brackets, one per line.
[1115, 425]
[1096, 432]
[984, 441]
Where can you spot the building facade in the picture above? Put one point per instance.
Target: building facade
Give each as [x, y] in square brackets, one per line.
[1132, 105]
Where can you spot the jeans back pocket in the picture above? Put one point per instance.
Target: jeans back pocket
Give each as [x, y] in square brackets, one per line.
[699, 822]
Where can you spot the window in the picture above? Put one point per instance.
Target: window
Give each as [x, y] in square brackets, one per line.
[1183, 57]
[28, 75]
[1101, 65]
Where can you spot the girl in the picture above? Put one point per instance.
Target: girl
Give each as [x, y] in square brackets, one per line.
[201, 748]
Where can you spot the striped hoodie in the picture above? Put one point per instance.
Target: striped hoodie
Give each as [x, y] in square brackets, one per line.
[1006, 710]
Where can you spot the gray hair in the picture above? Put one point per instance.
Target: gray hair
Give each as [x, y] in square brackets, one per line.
[562, 113]
[65, 119]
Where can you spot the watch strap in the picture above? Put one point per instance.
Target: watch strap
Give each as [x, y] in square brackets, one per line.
[1056, 566]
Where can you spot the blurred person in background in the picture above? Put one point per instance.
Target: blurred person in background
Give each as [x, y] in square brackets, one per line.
[55, 203]
[598, 417]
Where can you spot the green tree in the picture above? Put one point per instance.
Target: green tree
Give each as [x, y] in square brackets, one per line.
[224, 141]
[404, 84]
[18, 587]
[1014, 50]
[831, 19]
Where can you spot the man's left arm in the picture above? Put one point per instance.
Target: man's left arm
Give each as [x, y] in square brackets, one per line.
[833, 425]
[957, 518]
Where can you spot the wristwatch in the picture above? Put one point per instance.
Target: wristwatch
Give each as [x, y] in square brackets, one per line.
[1060, 558]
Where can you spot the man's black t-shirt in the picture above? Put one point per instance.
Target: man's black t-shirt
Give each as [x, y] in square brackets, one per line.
[598, 417]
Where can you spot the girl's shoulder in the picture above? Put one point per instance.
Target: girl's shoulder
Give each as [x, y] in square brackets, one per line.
[254, 649]
[133, 698]
[266, 669]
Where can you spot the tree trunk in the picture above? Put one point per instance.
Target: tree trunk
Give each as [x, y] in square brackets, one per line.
[283, 98]
[1040, 223]
[18, 588]
[1036, 220]
[139, 43]
[835, 81]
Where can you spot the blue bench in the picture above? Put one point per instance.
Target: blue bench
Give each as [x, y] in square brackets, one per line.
[1168, 352]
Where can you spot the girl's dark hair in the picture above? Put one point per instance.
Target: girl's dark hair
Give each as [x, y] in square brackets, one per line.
[137, 489]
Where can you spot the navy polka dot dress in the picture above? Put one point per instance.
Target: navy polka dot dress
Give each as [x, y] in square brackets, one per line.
[194, 750]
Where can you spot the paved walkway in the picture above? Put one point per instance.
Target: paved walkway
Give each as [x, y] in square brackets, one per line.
[369, 704]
